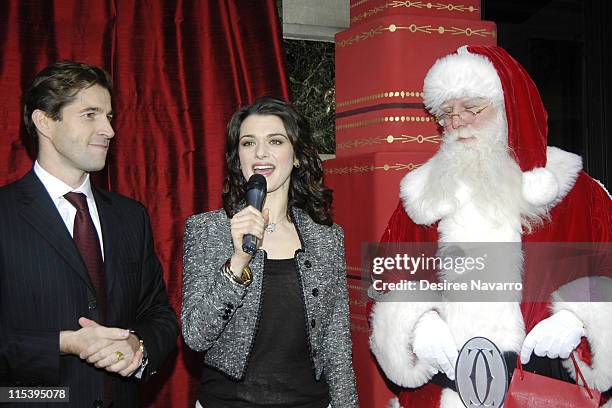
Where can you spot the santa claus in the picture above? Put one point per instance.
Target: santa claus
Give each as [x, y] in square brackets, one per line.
[495, 180]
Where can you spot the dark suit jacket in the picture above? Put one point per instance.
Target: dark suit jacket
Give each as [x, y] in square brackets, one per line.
[45, 288]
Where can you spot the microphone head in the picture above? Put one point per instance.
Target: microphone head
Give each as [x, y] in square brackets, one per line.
[254, 196]
[257, 181]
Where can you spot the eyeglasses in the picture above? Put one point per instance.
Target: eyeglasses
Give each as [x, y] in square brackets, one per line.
[467, 116]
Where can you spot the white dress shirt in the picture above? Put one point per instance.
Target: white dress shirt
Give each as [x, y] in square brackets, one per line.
[57, 188]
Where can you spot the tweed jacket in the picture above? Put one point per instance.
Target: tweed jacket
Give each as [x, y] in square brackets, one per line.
[221, 318]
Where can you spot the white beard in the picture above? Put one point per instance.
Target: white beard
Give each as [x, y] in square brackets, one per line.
[480, 172]
[484, 183]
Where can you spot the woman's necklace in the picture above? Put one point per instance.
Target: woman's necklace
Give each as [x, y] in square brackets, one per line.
[271, 226]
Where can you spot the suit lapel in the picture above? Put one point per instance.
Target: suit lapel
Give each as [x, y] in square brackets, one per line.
[39, 211]
[110, 222]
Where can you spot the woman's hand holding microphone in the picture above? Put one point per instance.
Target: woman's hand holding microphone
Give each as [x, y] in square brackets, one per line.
[248, 221]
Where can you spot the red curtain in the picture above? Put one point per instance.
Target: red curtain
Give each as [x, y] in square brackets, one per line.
[181, 68]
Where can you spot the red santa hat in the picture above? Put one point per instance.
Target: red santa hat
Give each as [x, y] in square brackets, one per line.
[490, 72]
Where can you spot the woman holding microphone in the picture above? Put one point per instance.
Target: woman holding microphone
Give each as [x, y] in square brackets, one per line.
[273, 325]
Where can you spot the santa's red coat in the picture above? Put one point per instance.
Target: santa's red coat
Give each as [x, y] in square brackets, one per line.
[583, 215]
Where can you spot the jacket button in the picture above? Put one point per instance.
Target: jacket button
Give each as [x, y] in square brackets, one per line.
[313, 323]
[98, 404]
[230, 306]
[315, 292]
[225, 317]
[92, 304]
[307, 263]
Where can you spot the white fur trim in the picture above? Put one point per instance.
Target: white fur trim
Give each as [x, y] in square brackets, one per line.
[596, 317]
[566, 167]
[394, 403]
[540, 186]
[461, 75]
[556, 180]
[412, 187]
[392, 336]
[603, 187]
[450, 399]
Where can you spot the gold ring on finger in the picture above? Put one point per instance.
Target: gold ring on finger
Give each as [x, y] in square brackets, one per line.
[119, 355]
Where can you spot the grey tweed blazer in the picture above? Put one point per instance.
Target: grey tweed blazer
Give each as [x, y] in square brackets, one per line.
[221, 318]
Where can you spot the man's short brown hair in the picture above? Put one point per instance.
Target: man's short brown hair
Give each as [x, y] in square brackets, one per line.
[57, 85]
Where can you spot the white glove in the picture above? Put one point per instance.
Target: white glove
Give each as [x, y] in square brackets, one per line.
[554, 337]
[434, 343]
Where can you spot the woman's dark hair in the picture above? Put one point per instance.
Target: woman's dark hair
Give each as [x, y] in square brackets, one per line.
[306, 190]
[57, 85]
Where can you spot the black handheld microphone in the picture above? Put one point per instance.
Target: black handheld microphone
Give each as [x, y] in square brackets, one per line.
[255, 193]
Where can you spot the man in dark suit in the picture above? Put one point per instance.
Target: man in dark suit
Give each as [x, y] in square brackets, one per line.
[82, 298]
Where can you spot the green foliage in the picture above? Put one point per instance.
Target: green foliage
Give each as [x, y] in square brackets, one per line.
[310, 69]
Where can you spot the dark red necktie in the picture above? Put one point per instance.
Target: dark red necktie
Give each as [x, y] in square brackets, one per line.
[86, 239]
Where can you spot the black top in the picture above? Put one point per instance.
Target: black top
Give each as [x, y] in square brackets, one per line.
[279, 372]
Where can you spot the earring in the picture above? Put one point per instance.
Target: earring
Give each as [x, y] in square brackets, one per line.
[296, 164]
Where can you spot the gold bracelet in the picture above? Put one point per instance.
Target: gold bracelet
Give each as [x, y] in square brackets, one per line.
[246, 276]
[142, 348]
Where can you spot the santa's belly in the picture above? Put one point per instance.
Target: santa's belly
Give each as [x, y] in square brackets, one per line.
[500, 322]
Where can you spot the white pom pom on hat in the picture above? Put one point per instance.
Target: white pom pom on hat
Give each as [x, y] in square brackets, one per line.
[540, 186]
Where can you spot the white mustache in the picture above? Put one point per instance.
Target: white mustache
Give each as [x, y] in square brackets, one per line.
[462, 133]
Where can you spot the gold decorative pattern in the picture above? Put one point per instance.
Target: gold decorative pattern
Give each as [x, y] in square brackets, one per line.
[369, 13]
[363, 36]
[359, 123]
[357, 303]
[413, 28]
[438, 6]
[428, 29]
[380, 95]
[356, 269]
[373, 121]
[453, 7]
[481, 32]
[351, 144]
[368, 168]
[420, 139]
[416, 4]
[359, 3]
[409, 118]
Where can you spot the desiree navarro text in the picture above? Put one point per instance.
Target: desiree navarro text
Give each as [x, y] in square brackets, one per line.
[473, 285]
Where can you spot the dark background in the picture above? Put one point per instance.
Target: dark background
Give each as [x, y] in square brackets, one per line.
[566, 47]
